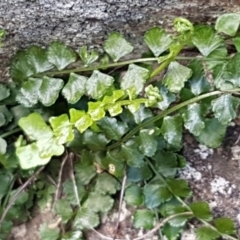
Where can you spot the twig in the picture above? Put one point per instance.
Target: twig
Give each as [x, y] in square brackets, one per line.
[120, 203]
[159, 225]
[60, 179]
[73, 179]
[15, 196]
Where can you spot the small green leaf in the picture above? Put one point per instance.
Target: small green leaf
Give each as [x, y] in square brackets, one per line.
[156, 193]
[236, 42]
[217, 57]
[88, 57]
[80, 119]
[85, 173]
[112, 128]
[61, 128]
[143, 218]
[225, 225]
[153, 95]
[137, 174]
[28, 94]
[5, 115]
[75, 88]
[179, 187]
[166, 163]
[141, 114]
[94, 140]
[2, 119]
[96, 110]
[106, 184]
[171, 232]
[97, 202]
[72, 235]
[60, 55]
[63, 209]
[47, 233]
[205, 39]
[176, 76]
[168, 98]
[193, 119]
[157, 40]
[6, 179]
[131, 154]
[206, 233]
[115, 109]
[85, 219]
[134, 195]
[135, 77]
[3, 146]
[98, 84]
[4, 92]
[172, 130]
[213, 133]
[116, 46]
[69, 191]
[198, 82]
[225, 108]
[228, 23]
[147, 141]
[201, 210]
[35, 127]
[49, 90]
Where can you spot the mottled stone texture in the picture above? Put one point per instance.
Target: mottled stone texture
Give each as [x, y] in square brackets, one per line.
[78, 22]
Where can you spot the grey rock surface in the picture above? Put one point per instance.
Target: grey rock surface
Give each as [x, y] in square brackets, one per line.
[78, 22]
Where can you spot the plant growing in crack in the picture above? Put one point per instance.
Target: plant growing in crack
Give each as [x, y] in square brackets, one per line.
[116, 133]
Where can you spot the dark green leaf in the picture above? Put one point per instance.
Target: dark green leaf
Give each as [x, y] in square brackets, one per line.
[68, 189]
[157, 40]
[3, 146]
[106, 184]
[143, 218]
[47, 233]
[49, 90]
[112, 128]
[5, 179]
[225, 225]
[85, 219]
[2, 119]
[193, 119]
[206, 233]
[168, 98]
[61, 128]
[135, 77]
[134, 195]
[97, 202]
[4, 92]
[75, 88]
[98, 84]
[95, 141]
[216, 57]
[6, 115]
[131, 154]
[225, 108]
[141, 114]
[88, 57]
[179, 187]
[63, 209]
[147, 141]
[85, 173]
[156, 193]
[213, 133]
[72, 235]
[35, 127]
[80, 119]
[166, 163]
[205, 39]
[137, 174]
[176, 76]
[172, 130]
[228, 23]
[171, 232]
[198, 82]
[116, 46]
[201, 210]
[60, 55]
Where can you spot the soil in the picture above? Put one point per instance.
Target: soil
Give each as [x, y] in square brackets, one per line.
[213, 174]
